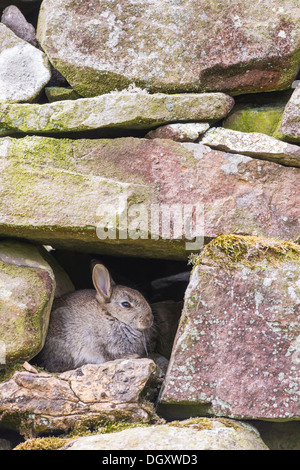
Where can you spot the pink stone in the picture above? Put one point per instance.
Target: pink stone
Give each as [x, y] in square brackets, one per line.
[236, 353]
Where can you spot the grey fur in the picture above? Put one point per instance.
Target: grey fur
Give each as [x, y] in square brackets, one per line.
[89, 326]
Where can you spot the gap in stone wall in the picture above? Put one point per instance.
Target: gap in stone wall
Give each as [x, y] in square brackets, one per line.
[157, 279]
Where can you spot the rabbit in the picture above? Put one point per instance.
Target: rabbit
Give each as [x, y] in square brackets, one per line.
[88, 326]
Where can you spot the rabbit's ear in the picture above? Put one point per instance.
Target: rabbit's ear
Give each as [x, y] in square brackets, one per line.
[102, 282]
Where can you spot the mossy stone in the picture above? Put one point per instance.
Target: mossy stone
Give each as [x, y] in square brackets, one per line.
[27, 287]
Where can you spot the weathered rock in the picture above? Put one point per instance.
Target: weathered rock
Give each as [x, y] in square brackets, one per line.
[60, 93]
[24, 70]
[83, 397]
[63, 283]
[172, 47]
[253, 144]
[257, 113]
[236, 353]
[71, 191]
[119, 110]
[166, 315]
[27, 288]
[170, 287]
[14, 19]
[289, 126]
[186, 132]
[199, 434]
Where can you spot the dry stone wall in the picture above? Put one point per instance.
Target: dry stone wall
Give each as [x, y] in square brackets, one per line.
[162, 132]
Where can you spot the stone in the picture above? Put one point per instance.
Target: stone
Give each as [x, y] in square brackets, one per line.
[236, 352]
[170, 287]
[60, 93]
[77, 399]
[257, 113]
[175, 47]
[254, 145]
[117, 110]
[27, 286]
[14, 19]
[289, 126]
[186, 132]
[63, 283]
[198, 434]
[166, 318]
[24, 70]
[80, 194]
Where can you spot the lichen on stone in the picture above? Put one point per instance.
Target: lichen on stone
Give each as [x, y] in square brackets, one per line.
[231, 250]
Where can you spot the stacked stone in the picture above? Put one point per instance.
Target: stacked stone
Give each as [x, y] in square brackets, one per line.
[161, 104]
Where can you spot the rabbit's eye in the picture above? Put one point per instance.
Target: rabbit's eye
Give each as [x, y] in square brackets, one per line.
[126, 304]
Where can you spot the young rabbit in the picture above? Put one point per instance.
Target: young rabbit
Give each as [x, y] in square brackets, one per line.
[88, 326]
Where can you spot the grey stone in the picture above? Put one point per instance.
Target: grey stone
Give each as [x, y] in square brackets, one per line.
[254, 145]
[114, 110]
[14, 19]
[93, 394]
[198, 434]
[186, 132]
[64, 187]
[172, 47]
[24, 70]
[289, 126]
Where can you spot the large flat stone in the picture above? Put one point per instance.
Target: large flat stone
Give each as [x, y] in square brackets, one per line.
[118, 110]
[93, 394]
[236, 353]
[200, 434]
[172, 46]
[54, 191]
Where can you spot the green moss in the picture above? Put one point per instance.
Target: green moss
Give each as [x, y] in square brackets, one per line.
[195, 423]
[8, 372]
[43, 443]
[262, 120]
[231, 251]
[23, 330]
[86, 427]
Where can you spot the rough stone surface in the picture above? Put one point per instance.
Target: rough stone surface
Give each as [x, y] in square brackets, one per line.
[63, 283]
[57, 93]
[81, 177]
[166, 314]
[14, 19]
[201, 434]
[27, 286]
[172, 46]
[93, 393]
[24, 70]
[121, 110]
[253, 144]
[257, 113]
[186, 132]
[289, 127]
[236, 353]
